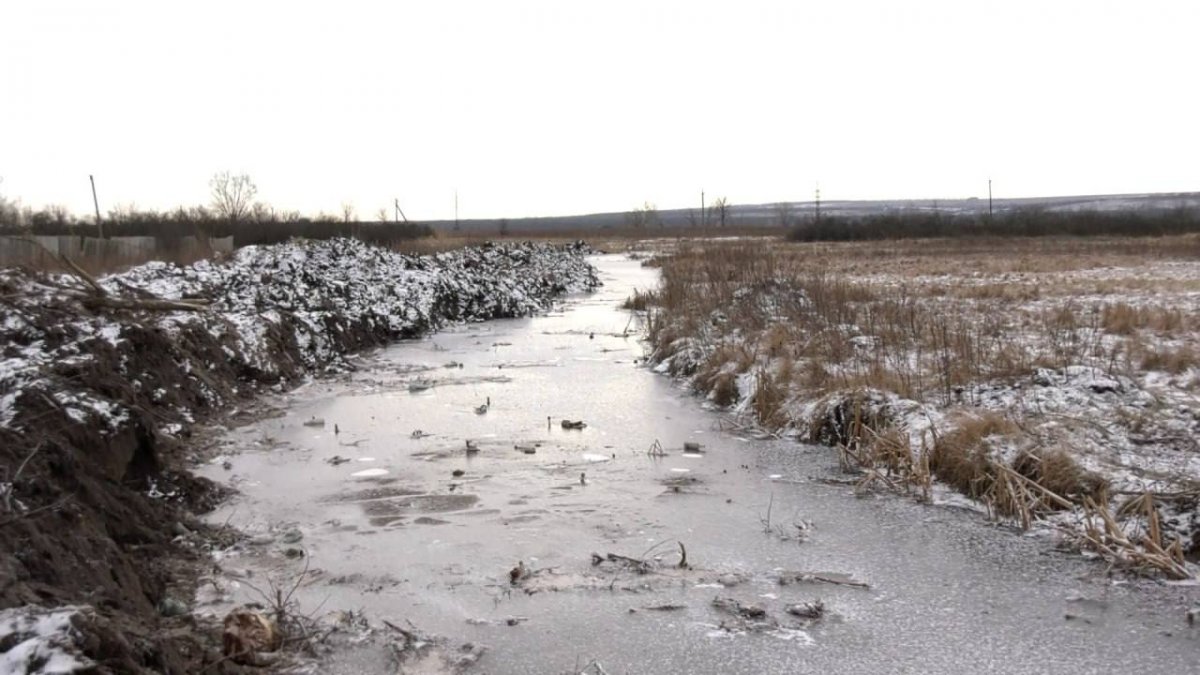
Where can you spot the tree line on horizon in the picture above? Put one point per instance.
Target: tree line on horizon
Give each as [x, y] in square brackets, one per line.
[232, 211]
[1030, 221]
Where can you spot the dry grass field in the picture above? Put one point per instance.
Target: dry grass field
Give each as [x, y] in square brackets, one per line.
[1050, 379]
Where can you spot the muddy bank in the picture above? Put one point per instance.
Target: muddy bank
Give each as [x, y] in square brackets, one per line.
[101, 380]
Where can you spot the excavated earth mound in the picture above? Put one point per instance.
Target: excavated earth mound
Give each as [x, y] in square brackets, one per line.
[102, 379]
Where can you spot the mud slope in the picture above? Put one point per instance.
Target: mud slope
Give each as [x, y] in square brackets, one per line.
[100, 381]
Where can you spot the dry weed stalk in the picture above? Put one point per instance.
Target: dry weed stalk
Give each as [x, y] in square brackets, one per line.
[1145, 553]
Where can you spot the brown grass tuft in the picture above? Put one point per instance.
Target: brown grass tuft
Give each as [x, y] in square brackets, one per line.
[1058, 473]
[1174, 361]
[768, 399]
[724, 391]
[639, 301]
[961, 457]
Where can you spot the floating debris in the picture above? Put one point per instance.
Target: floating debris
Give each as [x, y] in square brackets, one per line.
[519, 573]
[807, 610]
[481, 410]
[692, 447]
[527, 449]
[418, 386]
[315, 422]
[568, 424]
[247, 634]
[418, 434]
[472, 449]
[786, 578]
[336, 460]
[733, 606]
[458, 473]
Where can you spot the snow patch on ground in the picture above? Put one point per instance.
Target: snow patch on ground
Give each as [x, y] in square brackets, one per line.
[40, 640]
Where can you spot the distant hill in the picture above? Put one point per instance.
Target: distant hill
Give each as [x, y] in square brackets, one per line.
[772, 215]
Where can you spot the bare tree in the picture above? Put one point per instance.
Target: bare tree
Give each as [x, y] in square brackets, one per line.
[783, 213]
[382, 215]
[644, 216]
[347, 212]
[721, 208]
[261, 213]
[232, 196]
[10, 212]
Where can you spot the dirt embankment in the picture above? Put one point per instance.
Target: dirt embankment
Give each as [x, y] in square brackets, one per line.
[100, 384]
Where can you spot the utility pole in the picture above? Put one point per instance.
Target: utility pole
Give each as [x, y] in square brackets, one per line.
[989, 199]
[96, 203]
[399, 212]
[702, 219]
[818, 202]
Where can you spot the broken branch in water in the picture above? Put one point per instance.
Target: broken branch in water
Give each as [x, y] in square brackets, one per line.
[786, 578]
[664, 608]
[643, 564]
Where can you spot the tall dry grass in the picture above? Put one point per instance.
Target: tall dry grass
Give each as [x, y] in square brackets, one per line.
[829, 330]
[844, 316]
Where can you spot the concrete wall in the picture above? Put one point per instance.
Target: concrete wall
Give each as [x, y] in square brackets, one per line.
[39, 250]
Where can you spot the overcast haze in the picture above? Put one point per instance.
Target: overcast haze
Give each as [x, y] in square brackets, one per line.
[539, 108]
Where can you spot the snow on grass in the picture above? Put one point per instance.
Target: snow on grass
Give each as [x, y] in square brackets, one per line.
[39, 641]
[1093, 356]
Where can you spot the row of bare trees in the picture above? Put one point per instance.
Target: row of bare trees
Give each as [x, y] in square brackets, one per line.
[232, 210]
[715, 215]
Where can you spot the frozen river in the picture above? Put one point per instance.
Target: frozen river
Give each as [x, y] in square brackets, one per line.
[396, 533]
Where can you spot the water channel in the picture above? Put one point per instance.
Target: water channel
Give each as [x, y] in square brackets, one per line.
[395, 533]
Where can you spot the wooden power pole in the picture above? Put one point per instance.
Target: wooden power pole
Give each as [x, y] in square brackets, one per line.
[96, 203]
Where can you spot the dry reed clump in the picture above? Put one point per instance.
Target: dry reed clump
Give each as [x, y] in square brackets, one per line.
[717, 376]
[1122, 318]
[996, 291]
[813, 377]
[1035, 484]
[723, 389]
[1057, 472]
[640, 300]
[962, 456]
[1143, 550]
[1171, 360]
[770, 393]
[849, 418]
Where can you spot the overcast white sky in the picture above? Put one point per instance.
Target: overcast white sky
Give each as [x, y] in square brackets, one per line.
[534, 108]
